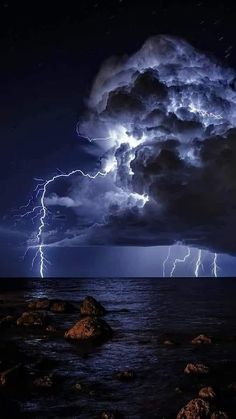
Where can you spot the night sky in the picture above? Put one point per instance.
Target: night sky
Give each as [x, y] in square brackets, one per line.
[50, 54]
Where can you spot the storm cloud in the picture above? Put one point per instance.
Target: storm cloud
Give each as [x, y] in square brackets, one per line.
[165, 120]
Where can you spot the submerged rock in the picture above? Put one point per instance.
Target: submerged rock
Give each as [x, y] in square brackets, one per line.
[89, 328]
[58, 306]
[32, 318]
[201, 339]
[91, 307]
[196, 369]
[39, 304]
[207, 393]
[168, 342]
[9, 375]
[43, 382]
[195, 409]
[111, 414]
[127, 375]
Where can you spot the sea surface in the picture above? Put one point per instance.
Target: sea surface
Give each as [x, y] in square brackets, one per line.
[143, 313]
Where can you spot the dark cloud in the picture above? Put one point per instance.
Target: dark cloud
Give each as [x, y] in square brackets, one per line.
[168, 115]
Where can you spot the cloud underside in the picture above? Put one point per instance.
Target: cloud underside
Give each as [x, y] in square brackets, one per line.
[168, 114]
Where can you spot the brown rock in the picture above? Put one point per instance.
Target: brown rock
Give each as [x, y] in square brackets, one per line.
[219, 415]
[195, 409]
[168, 342]
[9, 374]
[201, 339]
[111, 414]
[32, 318]
[60, 306]
[51, 329]
[127, 375]
[207, 393]
[196, 369]
[39, 304]
[91, 307]
[89, 328]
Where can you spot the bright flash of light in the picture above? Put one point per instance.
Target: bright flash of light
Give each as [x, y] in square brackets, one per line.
[44, 210]
[203, 113]
[215, 266]
[165, 262]
[178, 260]
[198, 263]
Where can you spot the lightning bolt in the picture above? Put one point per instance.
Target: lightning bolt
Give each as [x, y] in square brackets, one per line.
[180, 261]
[44, 211]
[198, 263]
[215, 267]
[165, 262]
[203, 113]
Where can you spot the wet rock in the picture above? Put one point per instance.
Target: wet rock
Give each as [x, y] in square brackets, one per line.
[168, 342]
[196, 369]
[91, 307]
[195, 409]
[111, 414]
[60, 306]
[51, 329]
[89, 328]
[9, 374]
[6, 321]
[39, 304]
[32, 318]
[207, 393]
[127, 375]
[201, 340]
[219, 415]
[78, 387]
[44, 382]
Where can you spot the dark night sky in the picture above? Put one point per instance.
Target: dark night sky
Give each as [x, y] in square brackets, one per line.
[50, 53]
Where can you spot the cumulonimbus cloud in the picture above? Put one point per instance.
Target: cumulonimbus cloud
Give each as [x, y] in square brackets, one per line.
[165, 118]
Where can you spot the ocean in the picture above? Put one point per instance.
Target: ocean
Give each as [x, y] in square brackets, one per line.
[143, 312]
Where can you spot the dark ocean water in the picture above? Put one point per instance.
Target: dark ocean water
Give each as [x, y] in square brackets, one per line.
[155, 309]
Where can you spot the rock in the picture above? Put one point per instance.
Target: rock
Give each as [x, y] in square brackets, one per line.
[91, 307]
[127, 375]
[168, 342]
[56, 306]
[201, 339]
[78, 387]
[219, 415]
[196, 369]
[60, 306]
[39, 304]
[207, 393]
[195, 409]
[5, 376]
[111, 414]
[32, 319]
[89, 328]
[6, 321]
[44, 382]
[51, 329]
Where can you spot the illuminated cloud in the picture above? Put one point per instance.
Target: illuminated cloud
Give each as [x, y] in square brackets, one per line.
[165, 120]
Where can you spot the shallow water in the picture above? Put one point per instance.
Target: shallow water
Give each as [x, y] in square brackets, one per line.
[142, 312]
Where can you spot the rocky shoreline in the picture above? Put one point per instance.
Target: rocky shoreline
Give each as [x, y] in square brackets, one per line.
[25, 374]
